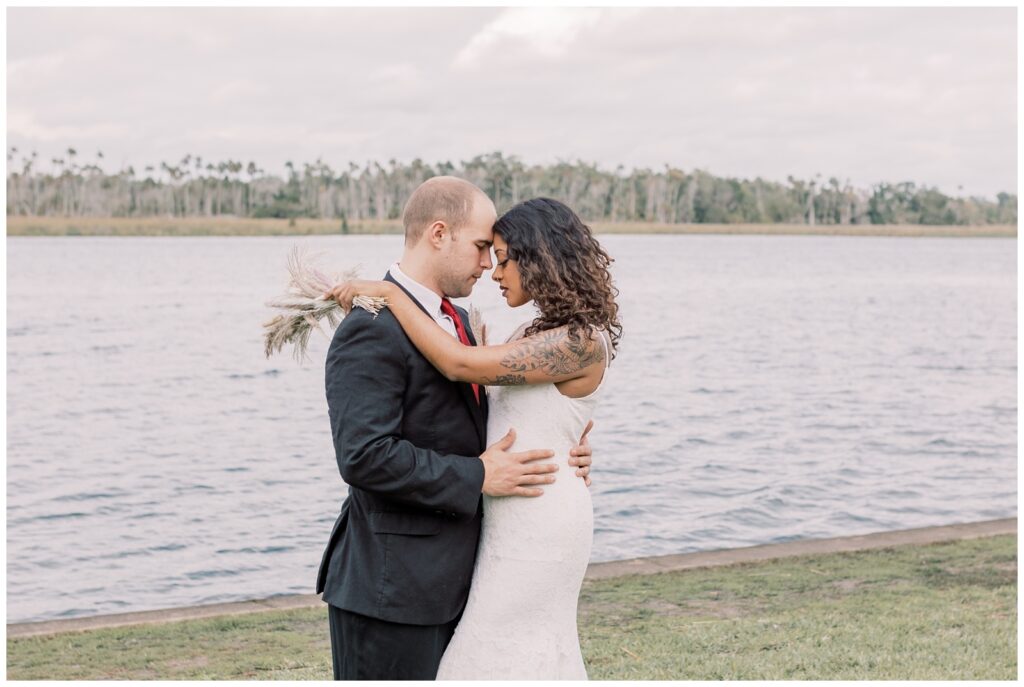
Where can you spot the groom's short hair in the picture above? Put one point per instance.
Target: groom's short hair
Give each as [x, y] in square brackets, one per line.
[448, 199]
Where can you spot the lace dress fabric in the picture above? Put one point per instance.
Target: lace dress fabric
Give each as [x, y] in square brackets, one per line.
[520, 618]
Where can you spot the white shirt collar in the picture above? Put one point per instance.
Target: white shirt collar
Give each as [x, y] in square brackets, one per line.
[427, 298]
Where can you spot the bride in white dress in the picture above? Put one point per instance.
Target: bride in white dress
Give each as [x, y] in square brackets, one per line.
[520, 619]
[544, 382]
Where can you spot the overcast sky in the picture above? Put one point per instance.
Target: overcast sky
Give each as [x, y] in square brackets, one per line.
[919, 94]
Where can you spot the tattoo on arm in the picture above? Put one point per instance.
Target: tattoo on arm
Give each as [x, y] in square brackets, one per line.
[553, 352]
[507, 380]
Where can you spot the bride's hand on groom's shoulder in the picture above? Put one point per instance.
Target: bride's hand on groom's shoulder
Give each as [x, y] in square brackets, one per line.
[346, 291]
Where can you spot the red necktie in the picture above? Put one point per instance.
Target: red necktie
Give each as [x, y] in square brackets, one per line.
[448, 309]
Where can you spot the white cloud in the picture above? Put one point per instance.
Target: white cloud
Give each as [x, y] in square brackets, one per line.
[548, 32]
[35, 67]
[237, 90]
[24, 124]
[918, 94]
[403, 73]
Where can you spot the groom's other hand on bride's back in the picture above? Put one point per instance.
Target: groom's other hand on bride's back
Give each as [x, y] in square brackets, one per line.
[515, 474]
[581, 455]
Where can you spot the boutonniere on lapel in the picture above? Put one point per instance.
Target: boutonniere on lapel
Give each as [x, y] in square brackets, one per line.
[305, 306]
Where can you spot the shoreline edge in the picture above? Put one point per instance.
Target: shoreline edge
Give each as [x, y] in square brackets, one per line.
[595, 571]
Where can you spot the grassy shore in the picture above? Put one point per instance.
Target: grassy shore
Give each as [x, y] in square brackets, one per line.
[232, 226]
[937, 612]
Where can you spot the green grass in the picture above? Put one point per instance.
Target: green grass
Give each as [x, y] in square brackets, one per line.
[240, 226]
[941, 612]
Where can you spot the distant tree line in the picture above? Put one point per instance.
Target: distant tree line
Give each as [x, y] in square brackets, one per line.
[193, 187]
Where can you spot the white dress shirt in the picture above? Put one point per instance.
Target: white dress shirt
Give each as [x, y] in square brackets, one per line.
[430, 301]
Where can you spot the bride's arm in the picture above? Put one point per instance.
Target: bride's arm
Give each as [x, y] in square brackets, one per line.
[546, 357]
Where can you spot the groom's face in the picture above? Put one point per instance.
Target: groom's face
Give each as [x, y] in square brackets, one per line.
[466, 257]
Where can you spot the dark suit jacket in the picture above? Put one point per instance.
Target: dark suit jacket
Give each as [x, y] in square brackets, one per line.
[408, 442]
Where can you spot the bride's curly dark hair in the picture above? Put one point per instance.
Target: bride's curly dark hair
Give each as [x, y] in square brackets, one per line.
[562, 267]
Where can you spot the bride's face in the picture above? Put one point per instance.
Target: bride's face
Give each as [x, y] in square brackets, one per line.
[506, 273]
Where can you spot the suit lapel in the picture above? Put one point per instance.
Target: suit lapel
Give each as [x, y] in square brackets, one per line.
[388, 277]
[478, 411]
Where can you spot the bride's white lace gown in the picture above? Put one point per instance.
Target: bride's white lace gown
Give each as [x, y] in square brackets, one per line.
[520, 618]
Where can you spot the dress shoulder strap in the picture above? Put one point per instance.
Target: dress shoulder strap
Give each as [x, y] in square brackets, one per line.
[603, 335]
[519, 331]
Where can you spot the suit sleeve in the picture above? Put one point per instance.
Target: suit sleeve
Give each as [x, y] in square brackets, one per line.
[365, 380]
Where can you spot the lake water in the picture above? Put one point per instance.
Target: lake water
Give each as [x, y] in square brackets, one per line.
[768, 388]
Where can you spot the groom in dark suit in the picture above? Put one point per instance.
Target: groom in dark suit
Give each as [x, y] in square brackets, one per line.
[411, 445]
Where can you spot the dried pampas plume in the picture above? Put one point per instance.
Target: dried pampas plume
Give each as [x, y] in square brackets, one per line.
[477, 326]
[305, 305]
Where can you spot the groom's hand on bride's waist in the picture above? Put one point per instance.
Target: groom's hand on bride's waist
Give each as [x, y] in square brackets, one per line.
[515, 474]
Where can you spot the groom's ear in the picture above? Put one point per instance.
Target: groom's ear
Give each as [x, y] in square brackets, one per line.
[435, 233]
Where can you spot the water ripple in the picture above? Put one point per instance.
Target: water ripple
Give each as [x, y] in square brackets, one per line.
[798, 387]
